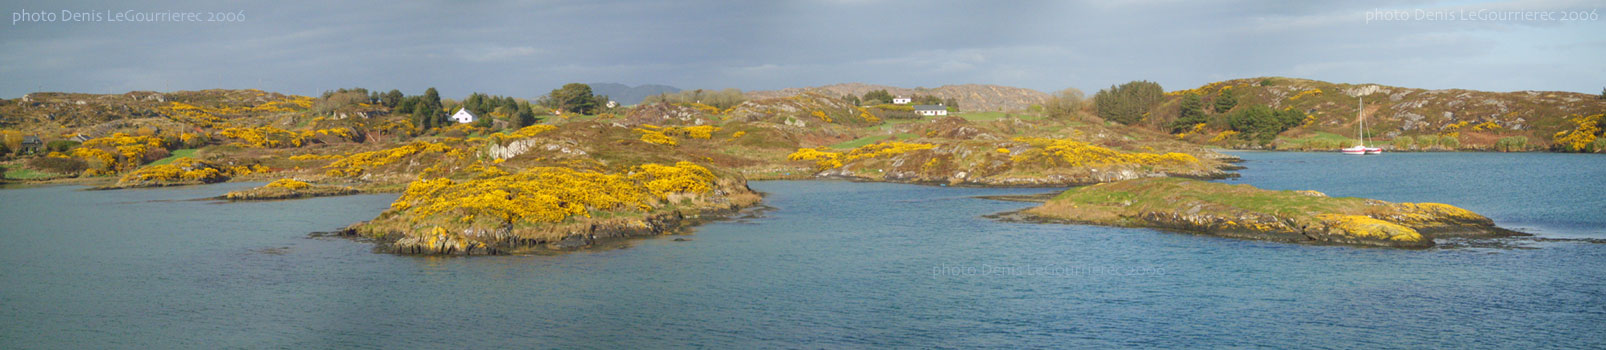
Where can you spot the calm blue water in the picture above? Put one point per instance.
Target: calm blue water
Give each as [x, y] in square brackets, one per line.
[837, 265]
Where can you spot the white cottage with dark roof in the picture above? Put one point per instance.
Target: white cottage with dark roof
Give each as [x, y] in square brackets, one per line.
[463, 116]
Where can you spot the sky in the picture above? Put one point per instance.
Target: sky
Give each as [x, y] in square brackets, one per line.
[526, 48]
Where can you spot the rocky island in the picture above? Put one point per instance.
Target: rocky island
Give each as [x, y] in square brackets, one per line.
[1242, 211]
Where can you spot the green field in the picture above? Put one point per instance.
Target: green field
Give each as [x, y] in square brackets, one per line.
[856, 143]
[187, 152]
[20, 173]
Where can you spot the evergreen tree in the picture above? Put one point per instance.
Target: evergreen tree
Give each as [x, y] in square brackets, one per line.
[392, 98]
[1190, 113]
[1128, 103]
[525, 116]
[1225, 101]
[877, 97]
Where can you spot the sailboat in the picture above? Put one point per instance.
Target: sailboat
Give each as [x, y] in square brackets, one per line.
[1360, 134]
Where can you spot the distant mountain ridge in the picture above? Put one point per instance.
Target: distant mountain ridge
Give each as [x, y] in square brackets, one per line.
[629, 95]
[971, 97]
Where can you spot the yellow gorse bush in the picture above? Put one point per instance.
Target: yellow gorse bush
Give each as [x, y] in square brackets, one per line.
[656, 136]
[535, 195]
[1306, 93]
[1487, 126]
[885, 149]
[1364, 226]
[549, 194]
[1580, 138]
[116, 153]
[1223, 136]
[357, 164]
[267, 137]
[521, 133]
[683, 177]
[1064, 152]
[822, 159]
[183, 169]
[289, 184]
[827, 160]
[821, 115]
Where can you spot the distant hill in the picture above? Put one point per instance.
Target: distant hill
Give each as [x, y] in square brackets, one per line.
[1474, 119]
[629, 95]
[971, 97]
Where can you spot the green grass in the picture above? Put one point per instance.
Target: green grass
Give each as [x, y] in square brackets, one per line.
[859, 142]
[21, 173]
[1179, 194]
[856, 143]
[187, 152]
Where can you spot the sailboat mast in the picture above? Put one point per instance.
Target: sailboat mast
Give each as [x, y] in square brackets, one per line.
[1360, 127]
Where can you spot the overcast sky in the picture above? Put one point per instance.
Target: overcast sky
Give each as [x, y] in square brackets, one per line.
[525, 49]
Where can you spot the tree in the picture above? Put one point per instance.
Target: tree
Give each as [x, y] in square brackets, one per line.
[525, 116]
[572, 98]
[1603, 93]
[475, 103]
[1190, 113]
[1064, 104]
[851, 98]
[391, 98]
[1128, 103]
[1225, 101]
[926, 100]
[405, 105]
[1262, 123]
[951, 103]
[877, 97]
[427, 110]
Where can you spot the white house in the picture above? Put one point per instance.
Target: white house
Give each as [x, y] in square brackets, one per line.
[463, 116]
[901, 100]
[931, 110]
[612, 103]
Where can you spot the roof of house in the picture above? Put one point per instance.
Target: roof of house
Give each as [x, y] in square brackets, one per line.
[930, 108]
[463, 111]
[31, 139]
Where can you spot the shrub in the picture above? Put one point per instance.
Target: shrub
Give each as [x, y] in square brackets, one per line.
[1450, 142]
[1404, 142]
[155, 154]
[1512, 144]
[1427, 141]
[58, 165]
[61, 145]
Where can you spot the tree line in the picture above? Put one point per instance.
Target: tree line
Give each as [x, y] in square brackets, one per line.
[721, 99]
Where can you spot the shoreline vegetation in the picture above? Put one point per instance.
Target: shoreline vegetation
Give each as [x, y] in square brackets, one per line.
[570, 171]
